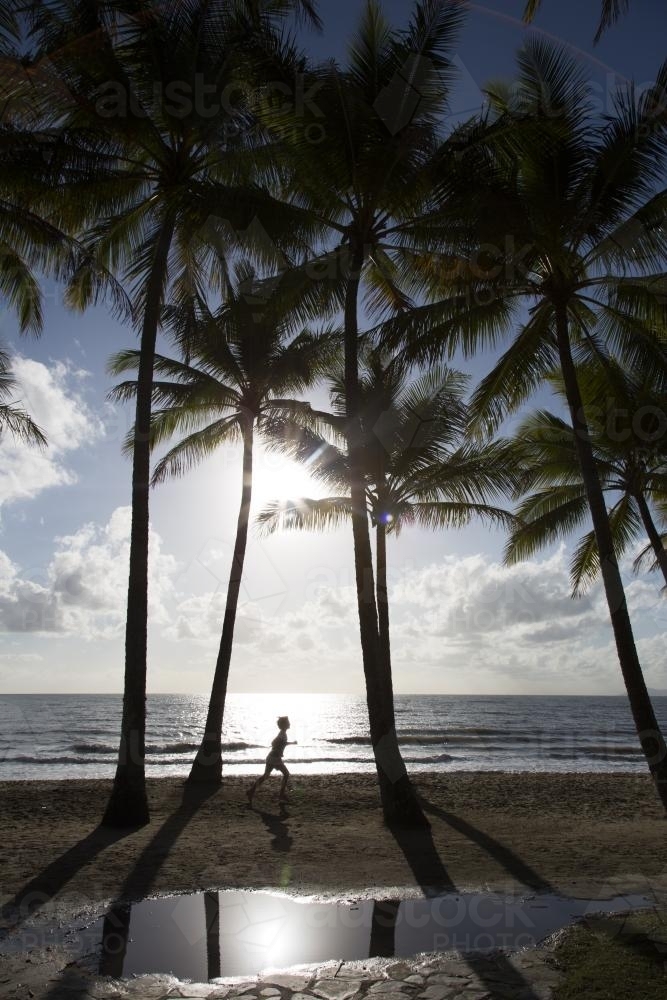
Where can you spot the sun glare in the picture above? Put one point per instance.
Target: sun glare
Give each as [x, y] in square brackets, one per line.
[278, 478]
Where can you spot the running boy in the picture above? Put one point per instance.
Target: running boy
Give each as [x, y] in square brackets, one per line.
[274, 761]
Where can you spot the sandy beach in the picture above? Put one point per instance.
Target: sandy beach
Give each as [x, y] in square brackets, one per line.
[577, 833]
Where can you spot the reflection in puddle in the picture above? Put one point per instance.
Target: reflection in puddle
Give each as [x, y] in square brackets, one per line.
[218, 934]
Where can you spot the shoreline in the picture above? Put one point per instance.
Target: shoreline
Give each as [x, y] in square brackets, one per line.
[246, 772]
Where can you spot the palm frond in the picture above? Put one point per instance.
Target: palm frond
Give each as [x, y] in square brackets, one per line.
[13, 418]
[21, 426]
[518, 373]
[324, 461]
[646, 561]
[20, 288]
[304, 514]
[194, 448]
[543, 518]
[625, 525]
[449, 514]
[584, 564]
[611, 11]
[551, 83]
[368, 47]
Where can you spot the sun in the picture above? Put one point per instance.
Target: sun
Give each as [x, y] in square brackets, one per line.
[275, 477]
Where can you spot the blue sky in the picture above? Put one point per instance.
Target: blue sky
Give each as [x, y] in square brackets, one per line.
[461, 622]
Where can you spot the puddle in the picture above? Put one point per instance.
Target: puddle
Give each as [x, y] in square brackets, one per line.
[211, 935]
[222, 934]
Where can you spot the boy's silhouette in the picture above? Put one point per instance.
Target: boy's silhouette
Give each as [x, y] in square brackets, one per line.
[274, 761]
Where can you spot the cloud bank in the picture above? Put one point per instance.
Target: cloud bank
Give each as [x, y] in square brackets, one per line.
[458, 625]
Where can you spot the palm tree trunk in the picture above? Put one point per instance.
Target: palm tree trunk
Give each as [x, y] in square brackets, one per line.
[399, 802]
[650, 736]
[653, 533]
[128, 805]
[207, 765]
[382, 593]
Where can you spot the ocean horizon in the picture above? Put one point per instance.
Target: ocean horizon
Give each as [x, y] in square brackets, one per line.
[75, 736]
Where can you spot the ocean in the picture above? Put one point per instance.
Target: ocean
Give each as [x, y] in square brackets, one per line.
[76, 736]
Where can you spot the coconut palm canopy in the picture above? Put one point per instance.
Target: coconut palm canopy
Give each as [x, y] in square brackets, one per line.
[420, 469]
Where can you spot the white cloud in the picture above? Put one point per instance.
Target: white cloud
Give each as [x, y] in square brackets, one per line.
[315, 647]
[472, 597]
[51, 397]
[84, 590]
[459, 625]
[462, 624]
[473, 624]
[200, 618]
[652, 657]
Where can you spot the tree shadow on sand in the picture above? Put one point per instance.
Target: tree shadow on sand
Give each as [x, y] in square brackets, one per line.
[141, 878]
[69, 985]
[32, 897]
[433, 878]
[137, 883]
[511, 862]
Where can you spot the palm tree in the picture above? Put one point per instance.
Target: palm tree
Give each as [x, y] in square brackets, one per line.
[582, 203]
[246, 361]
[12, 418]
[419, 469]
[160, 187]
[630, 450]
[357, 165]
[610, 13]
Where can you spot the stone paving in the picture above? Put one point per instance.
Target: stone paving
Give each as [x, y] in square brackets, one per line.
[526, 975]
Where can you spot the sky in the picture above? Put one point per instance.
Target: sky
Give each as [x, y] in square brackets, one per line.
[461, 621]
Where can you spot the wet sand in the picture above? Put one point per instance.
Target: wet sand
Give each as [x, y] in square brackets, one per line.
[579, 834]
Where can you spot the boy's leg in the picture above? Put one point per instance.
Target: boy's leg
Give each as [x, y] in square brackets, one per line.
[282, 795]
[253, 788]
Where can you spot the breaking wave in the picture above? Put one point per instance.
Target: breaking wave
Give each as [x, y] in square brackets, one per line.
[165, 748]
